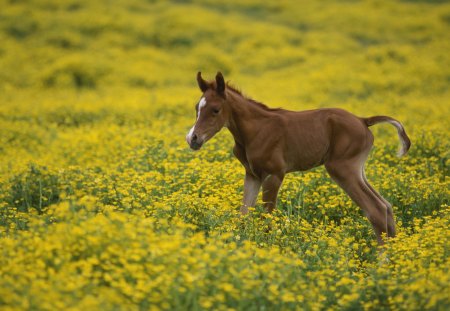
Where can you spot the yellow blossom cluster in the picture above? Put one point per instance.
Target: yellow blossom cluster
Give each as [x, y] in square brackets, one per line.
[104, 207]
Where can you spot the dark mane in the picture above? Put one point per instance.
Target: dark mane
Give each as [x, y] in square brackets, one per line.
[238, 92]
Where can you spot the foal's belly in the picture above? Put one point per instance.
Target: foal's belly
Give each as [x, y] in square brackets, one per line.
[306, 160]
[307, 145]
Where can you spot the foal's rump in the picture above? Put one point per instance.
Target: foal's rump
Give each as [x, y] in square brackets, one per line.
[350, 134]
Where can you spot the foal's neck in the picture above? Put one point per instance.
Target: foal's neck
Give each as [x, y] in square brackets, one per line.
[245, 117]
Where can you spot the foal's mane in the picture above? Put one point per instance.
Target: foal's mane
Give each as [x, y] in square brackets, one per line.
[252, 101]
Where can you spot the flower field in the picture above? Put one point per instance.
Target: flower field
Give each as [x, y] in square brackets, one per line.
[103, 206]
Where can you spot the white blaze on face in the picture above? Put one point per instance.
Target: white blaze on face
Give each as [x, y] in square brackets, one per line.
[201, 104]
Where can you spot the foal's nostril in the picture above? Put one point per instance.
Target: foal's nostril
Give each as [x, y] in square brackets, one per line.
[194, 138]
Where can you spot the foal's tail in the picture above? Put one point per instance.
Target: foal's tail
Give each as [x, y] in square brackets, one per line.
[404, 139]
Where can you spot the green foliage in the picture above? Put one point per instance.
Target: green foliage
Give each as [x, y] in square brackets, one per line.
[104, 207]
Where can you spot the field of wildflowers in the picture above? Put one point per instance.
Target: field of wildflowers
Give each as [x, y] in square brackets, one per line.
[104, 207]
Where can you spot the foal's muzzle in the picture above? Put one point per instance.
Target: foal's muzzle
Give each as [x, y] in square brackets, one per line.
[195, 142]
[195, 146]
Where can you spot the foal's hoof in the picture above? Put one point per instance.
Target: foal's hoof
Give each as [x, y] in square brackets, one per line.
[244, 210]
[383, 257]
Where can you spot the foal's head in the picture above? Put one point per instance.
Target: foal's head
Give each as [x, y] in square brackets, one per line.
[211, 111]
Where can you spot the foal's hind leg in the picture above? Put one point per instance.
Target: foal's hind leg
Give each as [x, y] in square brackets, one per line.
[348, 175]
[390, 212]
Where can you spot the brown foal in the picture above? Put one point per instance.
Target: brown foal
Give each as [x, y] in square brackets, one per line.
[272, 142]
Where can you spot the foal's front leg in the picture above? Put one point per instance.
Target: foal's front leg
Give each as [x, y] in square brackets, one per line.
[271, 185]
[252, 185]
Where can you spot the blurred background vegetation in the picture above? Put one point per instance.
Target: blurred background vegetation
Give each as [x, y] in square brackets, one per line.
[312, 52]
[96, 98]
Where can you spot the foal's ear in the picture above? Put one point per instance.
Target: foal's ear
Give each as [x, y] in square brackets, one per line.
[220, 84]
[202, 84]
